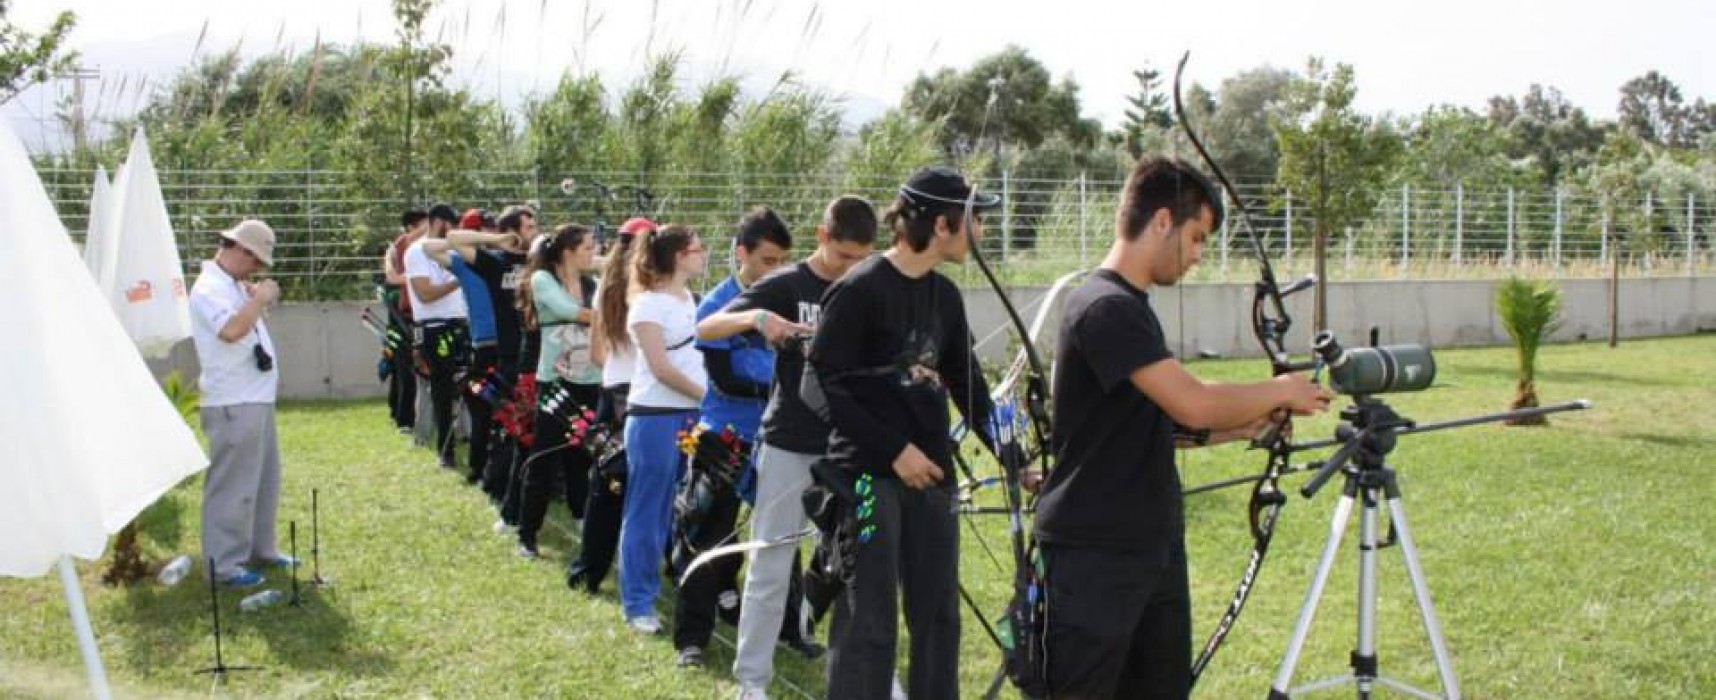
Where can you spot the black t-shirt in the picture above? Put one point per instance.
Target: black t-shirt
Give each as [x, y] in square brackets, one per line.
[1114, 485]
[890, 353]
[502, 272]
[795, 294]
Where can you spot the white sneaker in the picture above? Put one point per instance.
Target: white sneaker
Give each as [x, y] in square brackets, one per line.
[501, 528]
[645, 624]
[898, 693]
[752, 694]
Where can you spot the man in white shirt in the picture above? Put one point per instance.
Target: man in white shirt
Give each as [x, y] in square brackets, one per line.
[442, 336]
[239, 379]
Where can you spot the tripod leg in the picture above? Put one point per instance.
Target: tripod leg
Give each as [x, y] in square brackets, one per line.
[1421, 590]
[1308, 611]
[1364, 655]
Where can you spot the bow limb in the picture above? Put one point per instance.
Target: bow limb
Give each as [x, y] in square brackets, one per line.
[1270, 323]
[741, 548]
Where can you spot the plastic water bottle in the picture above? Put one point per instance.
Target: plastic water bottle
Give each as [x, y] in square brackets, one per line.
[258, 601]
[175, 570]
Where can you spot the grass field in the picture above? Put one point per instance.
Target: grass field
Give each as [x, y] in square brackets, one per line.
[1570, 561]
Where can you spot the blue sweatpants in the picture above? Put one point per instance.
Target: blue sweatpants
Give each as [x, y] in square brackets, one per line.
[654, 466]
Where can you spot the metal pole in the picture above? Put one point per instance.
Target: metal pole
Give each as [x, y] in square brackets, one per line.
[1459, 220]
[1510, 232]
[1083, 214]
[1007, 217]
[1289, 253]
[1348, 232]
[1560, 194]
[92, 665]
[1690, 197]
[1224, 223]
[1603, 249]
[1649, 232]
[1405, 227]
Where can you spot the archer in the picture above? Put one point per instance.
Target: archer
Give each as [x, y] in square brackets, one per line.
[1110, 517]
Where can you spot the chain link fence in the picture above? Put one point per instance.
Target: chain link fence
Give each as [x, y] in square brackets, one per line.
[332, 234]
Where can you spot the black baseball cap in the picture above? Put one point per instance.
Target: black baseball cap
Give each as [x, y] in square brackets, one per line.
[941, 186]
[444, 212]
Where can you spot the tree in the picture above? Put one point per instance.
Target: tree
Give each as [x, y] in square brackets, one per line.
[1544, 128]
[1652, 107]
[1029, 106]
[27, 59]
[1449, 145]
[568, 130]
[1529, 311]
[1149, 112]
[1238, 132]
[1332, 156]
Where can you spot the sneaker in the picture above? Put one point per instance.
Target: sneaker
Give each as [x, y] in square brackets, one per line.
[578, 578]
[691, 657]
[502, 527]
[645, 624]
[528, 552]
[811, 651]
[241, 578]
[281, 561]
[898, 693]
[748, 693]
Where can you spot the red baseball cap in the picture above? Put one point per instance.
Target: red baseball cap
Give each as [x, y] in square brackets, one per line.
[636, 225]
[476, 220]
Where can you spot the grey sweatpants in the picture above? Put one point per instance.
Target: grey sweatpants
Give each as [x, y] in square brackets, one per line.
[782, 477]
[241, 492]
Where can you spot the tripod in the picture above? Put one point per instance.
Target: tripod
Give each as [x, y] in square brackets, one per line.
[1369, 430]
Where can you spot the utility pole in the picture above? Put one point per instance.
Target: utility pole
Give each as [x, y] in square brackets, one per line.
[79, 119]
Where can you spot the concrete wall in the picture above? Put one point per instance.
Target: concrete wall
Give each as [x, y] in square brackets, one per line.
[322, 350]
[326, 354]
[1441, 314]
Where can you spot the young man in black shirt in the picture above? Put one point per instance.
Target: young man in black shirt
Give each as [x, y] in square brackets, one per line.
[785, 307]
[1109, 518]
[498, 258]
[892, 349]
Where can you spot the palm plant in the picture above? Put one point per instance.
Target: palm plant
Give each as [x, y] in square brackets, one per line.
[1530, 311]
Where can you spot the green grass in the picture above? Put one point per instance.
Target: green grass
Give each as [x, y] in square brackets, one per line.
[1568, 561]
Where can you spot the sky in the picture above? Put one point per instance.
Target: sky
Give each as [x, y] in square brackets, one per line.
[1407, 56]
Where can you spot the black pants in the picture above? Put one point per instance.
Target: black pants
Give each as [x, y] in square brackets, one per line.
[694, 613]
[605, 506]
[402, 383]
[554, 463]
[1119, 623]
[503, 449]
[402, 390]
[445, 345]
[512, 484]
[483, 360]
[915, 552]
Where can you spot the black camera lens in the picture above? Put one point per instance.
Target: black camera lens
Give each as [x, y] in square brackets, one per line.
[264, 361]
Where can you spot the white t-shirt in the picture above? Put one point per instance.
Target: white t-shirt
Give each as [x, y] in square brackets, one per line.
[622, 359]
[677, 318]
[229, 373]
[419, 264]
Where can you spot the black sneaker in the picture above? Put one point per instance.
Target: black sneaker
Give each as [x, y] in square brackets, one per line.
[811, 651]
[691, 657]
[578, 578]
